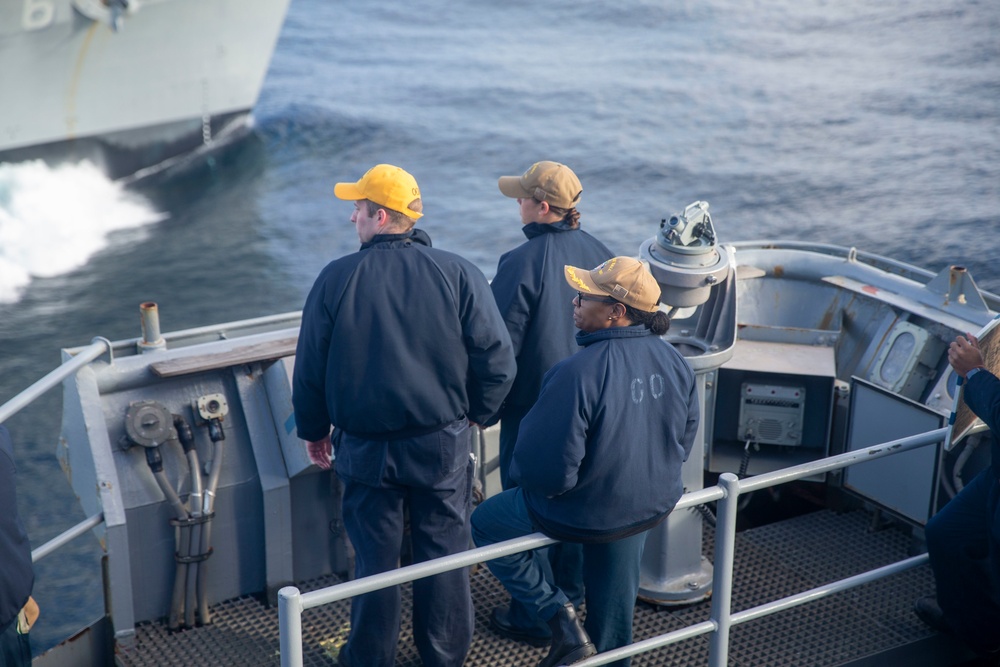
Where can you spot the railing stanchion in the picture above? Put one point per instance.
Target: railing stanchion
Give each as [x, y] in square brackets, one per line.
[290, 625]
[727, 492]
[722, 577]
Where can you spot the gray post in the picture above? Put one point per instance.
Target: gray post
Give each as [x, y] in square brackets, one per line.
[722, 590]
[673, 570]
[149, 317]
[290, 626]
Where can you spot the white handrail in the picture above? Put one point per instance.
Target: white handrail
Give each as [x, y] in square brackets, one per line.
[66, 536]
[291, 602]
[98, 347]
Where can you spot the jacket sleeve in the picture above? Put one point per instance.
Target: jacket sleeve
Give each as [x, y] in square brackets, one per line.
[552, 439]
[982, 395]
[16, 573]
[513, 301]
[491, 358]
[312, 419]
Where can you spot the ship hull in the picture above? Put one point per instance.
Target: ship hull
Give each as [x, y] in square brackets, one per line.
[134, 91]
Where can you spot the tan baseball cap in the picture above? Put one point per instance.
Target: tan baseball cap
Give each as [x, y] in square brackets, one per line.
[386, 185]
[545, 181]
[624, 279]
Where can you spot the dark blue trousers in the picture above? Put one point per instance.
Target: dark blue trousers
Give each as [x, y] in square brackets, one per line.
[432, 475]
[610, 572]
[564, 568]
[15, 648]
[963, 542]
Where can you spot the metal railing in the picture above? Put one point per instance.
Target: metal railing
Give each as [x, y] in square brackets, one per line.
[97, 347]
[66, 537]
[25, 398]
[291, 602]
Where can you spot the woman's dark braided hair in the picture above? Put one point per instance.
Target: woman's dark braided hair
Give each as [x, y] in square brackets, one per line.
[657, 322]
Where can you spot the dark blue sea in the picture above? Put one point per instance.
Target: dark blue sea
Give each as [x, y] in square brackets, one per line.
[865, 123]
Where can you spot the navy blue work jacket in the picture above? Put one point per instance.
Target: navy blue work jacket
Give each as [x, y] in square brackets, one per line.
[397, 340]
[599, 455]
[982, 395]
[537, 304]
[16, 574]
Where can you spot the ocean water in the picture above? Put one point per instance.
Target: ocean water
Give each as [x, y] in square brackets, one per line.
[866, 124]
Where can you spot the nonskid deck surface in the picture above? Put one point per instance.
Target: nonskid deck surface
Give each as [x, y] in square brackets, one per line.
[772, 561]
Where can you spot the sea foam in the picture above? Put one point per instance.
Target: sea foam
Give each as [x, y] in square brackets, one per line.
[54, 219]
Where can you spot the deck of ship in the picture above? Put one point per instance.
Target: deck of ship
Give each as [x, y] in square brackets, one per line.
[872, 624]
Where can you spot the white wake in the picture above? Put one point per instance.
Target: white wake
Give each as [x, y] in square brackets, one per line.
[54, 219]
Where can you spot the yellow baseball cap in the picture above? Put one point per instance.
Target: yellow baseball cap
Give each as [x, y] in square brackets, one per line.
[386, 185]
[545, 181]
[624, 279]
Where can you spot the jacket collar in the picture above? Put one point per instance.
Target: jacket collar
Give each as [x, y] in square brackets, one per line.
[413, 236]
[533, 229]
[634, 331]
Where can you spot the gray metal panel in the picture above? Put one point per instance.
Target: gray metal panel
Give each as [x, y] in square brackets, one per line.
[93, 458]
[277, 507]
[140, 539]
[278, 382]
[319, 540]
[903, 484]
[235, 568]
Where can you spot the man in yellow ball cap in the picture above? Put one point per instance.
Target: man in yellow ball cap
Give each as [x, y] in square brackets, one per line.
[401, 346]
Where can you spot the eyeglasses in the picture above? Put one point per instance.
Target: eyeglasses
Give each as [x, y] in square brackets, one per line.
[581, 297]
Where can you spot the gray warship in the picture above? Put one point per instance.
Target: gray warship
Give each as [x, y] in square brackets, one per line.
[134, 86]
[832, 431]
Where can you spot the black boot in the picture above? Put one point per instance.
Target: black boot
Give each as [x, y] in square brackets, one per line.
[570, 642]
[928, 611]
[502, 622]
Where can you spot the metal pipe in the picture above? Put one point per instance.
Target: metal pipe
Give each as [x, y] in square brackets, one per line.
[699, 497]
[168, 491]
[722, 583]
[180, 578]
[429, 568]
[26, 397]
[194, 546]
[760, 611]
[536, 540]
[647, 645]
[206, 538]
[827, 590]
[728, 492]
[150, 321]
[290, 626]
[149, 317]
[842, 460]
[180, 569]
[67, 536]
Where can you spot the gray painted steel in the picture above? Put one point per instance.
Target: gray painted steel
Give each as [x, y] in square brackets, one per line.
[771, 561]
[277, 519]
[153, 76]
